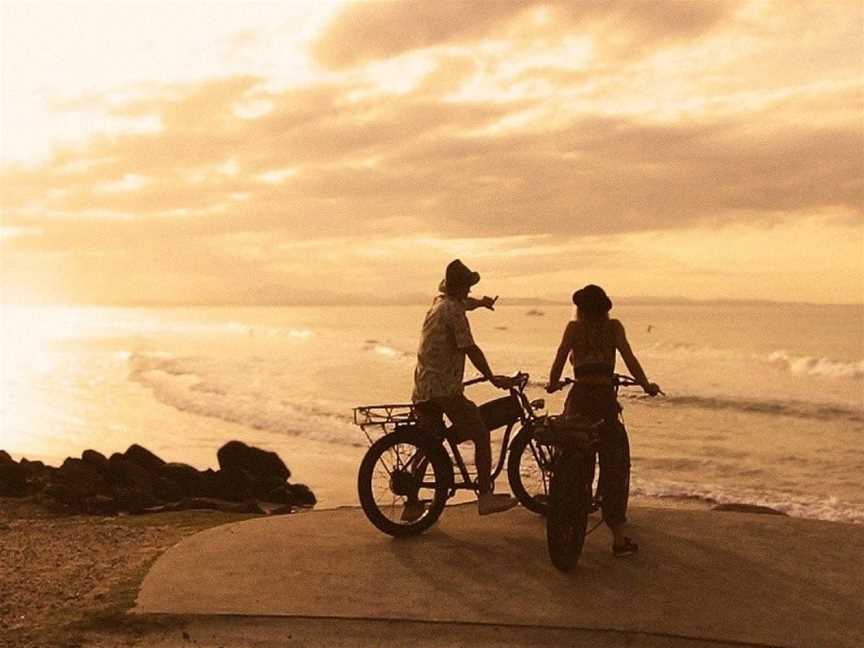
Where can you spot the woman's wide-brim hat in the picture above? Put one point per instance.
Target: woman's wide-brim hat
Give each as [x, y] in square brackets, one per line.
[592, 298]
[459, 276]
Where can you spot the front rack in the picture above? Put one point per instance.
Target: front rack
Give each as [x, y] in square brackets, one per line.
[560, 430]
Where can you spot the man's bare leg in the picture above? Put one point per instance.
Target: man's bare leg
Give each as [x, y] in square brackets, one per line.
[483, 461]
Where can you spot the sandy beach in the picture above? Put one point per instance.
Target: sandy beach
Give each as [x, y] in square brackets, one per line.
[64, 578]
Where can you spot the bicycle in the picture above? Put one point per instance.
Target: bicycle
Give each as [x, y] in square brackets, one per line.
[573, 441]
[409, 473]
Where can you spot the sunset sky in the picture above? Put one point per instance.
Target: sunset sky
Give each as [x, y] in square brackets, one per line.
[250, 152]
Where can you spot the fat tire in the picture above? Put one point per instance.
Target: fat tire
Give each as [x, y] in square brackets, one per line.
[567, 519]
[441, 466]
[520, 450]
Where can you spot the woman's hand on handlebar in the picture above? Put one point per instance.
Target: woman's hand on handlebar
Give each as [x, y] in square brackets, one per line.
[552, 387]
[652, 389]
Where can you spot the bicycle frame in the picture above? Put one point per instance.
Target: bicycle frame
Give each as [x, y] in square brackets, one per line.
[526, 416]
[590, 450]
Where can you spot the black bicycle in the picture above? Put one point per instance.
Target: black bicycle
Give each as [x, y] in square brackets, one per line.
[572, 442]
[409, 473]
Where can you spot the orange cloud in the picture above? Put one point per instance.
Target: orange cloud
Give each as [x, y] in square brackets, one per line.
[377, 30]
[221, 199]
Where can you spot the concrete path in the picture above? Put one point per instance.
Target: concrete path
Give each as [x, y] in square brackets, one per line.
[703, 578]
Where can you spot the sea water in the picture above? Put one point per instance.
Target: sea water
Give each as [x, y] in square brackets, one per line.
[764, 402]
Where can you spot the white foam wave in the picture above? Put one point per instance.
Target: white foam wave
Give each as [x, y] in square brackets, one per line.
[174, 382]
[824, 367]
[690, 351]
[387, 350]
[805, 506]
[798, 409]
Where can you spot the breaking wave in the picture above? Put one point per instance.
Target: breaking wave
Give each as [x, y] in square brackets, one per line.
[805, 506]
[174, 382]
[823, 367]
[798, 409]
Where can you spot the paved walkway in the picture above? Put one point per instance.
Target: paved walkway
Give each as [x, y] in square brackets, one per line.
[702, 579]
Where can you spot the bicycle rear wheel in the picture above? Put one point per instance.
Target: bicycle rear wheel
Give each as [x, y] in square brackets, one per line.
[403, 483]
[567, 518]
[528, 470]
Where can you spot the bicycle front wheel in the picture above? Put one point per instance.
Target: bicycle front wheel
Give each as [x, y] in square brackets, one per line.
[528, 471]
[567, 518]
[403, 483]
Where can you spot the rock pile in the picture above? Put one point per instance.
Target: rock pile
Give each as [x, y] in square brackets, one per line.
[249, 480]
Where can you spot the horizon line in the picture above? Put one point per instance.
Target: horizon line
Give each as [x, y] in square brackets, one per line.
[412, 300]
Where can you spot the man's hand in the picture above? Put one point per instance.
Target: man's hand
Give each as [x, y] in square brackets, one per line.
[487, 302]
[502, 382]
[552, 387]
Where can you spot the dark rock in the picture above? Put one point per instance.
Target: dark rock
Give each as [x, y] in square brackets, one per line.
[302, 495]
[130, 474]
[262, 487]
[5, 459]
[95, 459]
[82, 478]
[209, 503]
[13, 480]
[144, 458]
[234, 484]
[32, 467]
[38, 475]
[278, 495]
[260, 464]
[100, 505]
[167, 490]
[292, 495]
[210, 482]
[747, 508]
[191, 482]
[135, 501]
[50, 500]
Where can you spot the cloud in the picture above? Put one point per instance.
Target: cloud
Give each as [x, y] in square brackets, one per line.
[436, 167]
[370, 31]
[525, 147]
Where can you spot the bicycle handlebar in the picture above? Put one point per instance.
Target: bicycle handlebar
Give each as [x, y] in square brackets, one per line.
[474, 381]
[618, 380]
[520, 380]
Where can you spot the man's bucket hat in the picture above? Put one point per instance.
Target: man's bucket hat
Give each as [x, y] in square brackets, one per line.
[459, 276]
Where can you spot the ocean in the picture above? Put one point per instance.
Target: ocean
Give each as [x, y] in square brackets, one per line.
[764, 405]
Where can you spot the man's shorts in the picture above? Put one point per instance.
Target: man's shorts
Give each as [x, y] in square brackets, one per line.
[461, 412]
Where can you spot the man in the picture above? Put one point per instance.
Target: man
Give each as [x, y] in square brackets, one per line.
[446, 340]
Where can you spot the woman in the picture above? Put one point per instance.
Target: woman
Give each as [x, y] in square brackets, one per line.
[591, 342]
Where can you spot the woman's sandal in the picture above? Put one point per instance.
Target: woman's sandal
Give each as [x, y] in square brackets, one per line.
[627, 549]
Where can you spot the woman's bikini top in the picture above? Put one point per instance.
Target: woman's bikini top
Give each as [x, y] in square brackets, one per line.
[593, 352]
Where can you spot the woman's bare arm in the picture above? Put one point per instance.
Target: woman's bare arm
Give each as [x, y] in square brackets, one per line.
[561, 357]
[630, 360]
